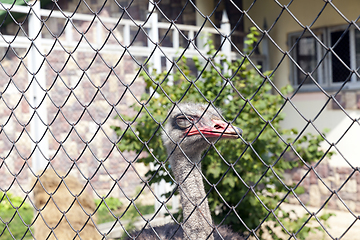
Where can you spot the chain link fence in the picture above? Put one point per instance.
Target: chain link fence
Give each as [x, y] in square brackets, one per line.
[89, 87]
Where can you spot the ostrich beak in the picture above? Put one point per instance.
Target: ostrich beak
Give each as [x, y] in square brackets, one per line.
[218, 128]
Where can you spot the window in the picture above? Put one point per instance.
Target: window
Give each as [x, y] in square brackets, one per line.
[326, 69]
[307, 53]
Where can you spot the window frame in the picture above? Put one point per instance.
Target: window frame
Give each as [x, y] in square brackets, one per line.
[320, 33]
[325, 77]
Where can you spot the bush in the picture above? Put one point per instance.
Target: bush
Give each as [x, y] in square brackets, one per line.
[114, 207]
[251, 176]
[17, 221]
[103, 211]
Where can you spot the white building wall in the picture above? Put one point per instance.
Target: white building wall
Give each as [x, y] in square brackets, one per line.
[310, 103]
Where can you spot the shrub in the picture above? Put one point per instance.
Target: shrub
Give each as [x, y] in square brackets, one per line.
[251, 175]
[17, 215]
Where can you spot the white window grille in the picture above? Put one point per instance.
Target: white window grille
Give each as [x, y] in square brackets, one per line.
[316, 63]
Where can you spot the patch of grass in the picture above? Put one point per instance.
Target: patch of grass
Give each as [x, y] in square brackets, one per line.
[15, 221]
[117, 209]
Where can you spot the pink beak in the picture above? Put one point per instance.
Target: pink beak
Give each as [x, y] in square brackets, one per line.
[218, 128]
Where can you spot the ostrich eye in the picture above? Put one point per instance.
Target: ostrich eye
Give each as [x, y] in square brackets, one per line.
[184, 122]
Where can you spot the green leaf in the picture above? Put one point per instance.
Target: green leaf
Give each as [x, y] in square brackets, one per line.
[243, 100]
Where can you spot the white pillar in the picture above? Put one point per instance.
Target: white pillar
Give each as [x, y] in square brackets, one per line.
[99, 34]
[37, 76]
[175, 39]
[69, 32]
[226, 47]
[266, 51]
[154, 35]
[159, 188]
[126, 34]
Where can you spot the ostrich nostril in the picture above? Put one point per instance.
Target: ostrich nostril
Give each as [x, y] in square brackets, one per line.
[217, 126]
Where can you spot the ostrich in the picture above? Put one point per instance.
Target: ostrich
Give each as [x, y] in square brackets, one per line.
[189, 131]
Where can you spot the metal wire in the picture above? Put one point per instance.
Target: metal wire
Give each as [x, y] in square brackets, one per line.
[71, 93]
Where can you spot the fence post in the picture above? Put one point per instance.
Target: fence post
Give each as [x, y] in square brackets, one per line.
[159, 188]
[37, 76]
[99, 34]
[126, 34]
[265, 50]
[226, 47]
[69, 32]
[154, 35]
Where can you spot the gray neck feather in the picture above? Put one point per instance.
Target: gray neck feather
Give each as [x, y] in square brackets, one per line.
[198, 223]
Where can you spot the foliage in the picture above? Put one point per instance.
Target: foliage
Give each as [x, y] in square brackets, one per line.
[117, 209]
[11, 208]
[128, 214]
[103, 211]
[295, 223]
[252, 170]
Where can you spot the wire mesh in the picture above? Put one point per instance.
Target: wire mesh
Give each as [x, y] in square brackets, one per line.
[87, 88]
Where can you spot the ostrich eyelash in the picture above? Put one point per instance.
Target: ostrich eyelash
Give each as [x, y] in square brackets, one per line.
[184, 122]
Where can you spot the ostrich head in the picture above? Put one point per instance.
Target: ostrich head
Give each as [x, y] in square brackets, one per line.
[189, 130]
[193, 126]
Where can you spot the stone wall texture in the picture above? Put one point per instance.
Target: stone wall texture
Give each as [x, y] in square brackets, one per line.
[331, 187]
[85, 91]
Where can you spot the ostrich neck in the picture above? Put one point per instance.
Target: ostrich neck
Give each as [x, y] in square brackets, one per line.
[192, 193]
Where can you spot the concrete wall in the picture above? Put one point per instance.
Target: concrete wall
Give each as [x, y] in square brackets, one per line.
[342, 131]
[310, 103]
[305, 11]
